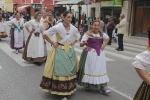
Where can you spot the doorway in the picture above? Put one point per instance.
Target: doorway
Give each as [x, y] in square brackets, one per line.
[141, 21]
[93, 12]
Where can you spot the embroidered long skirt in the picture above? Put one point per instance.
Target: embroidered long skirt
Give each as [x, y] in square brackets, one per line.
[3, 35]
[24, 56]
[143, 93]
[17, 39]
[59, 85]
[87, 65]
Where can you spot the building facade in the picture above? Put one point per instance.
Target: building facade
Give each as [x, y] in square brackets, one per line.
[31, 6]
[139, 17]
[9, 5]
[2, 4]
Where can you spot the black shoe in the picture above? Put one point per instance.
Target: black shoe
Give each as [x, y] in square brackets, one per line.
[38, 63]
[109, 44]
[120, 50]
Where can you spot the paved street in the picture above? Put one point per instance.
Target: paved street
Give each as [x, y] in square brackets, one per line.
[19, 80]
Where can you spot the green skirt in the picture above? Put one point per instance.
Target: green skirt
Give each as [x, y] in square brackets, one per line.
[81, 73]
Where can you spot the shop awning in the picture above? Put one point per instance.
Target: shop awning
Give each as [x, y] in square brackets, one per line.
[23, 7]
[70, 2]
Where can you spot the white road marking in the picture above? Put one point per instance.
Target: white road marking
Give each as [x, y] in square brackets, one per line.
[132, 48]
[17, 57]
[1, 67]
[118, 55]
[122, 94]
[133, 45]
[127, 52]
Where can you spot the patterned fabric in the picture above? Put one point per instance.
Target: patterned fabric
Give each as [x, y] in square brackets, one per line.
[59, 85]
[24, 56]
[3, 35]
[143, 93]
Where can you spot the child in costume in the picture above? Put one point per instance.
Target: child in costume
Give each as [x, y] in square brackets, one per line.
[93, 72]
[3, 33]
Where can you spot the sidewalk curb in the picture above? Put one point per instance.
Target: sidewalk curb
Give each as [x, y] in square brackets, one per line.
[135, 43]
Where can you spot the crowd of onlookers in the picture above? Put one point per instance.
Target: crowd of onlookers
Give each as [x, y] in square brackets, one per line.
[8, 15]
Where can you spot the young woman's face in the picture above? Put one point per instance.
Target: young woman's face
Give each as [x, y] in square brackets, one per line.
[50, 15]
[38, 16]
[68, 18]
[18, 15]
[95, 26]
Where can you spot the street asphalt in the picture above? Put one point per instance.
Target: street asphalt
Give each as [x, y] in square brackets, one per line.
[19, 80]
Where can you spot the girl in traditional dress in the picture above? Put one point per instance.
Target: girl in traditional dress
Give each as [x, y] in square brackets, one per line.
[93, 72]
[62, 65]
[3, 33]
[142, 61]
[48, 24]
[34, 50]
[17, 33]
[51, 20]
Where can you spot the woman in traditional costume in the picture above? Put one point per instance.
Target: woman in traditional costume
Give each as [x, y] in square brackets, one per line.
[93, 72]
[3, 33]
[62, 65]
[17, 34]
[34, 50]
[50, 22]
[142, 61]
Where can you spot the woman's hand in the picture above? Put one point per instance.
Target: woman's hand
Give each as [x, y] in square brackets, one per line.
[83, 43]
[12, 26]
[21, 27]
[103, 47]
[32, 31]
[73, 43]
[55, 44]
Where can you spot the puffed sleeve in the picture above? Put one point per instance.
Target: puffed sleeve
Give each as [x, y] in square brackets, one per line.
[105, 36]
[10, 22]
[84, 38]
[142, 60]
[77, 34]
[29, 23]
[51, 31]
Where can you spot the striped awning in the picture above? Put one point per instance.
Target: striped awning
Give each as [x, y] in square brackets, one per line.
[70, 2]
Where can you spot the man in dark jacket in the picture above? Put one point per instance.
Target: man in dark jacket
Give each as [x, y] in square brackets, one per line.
[110, 27]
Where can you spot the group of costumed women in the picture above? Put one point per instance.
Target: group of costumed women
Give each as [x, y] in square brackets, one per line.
[62, 71]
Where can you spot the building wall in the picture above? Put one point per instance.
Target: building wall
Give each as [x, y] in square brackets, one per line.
[8, 5]
[125, 10]
[2, 4]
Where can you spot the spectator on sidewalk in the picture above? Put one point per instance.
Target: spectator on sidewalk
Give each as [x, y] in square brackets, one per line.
[102, 24]
[121, 29]
[110, 27]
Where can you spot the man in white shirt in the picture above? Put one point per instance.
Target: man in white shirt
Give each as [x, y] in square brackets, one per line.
[121, 30]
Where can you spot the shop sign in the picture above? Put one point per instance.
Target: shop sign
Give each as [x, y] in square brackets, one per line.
[106, 3]
[117, 2]
[112, 3]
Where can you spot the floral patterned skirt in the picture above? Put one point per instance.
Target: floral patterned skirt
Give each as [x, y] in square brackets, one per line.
[3, 35]
[59, 85]
[143, 93]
